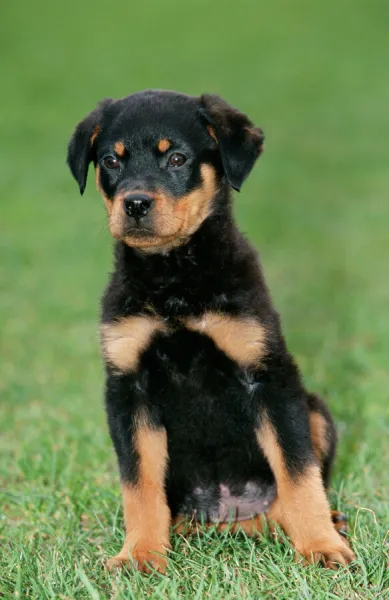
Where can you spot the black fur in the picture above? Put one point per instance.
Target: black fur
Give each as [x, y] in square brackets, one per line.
[240, 142]
[209, 405]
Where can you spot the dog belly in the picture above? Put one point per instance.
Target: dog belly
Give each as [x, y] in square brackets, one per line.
[216, 470]
[228, 503]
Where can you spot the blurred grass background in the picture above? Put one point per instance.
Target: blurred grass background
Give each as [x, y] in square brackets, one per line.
[315, 77]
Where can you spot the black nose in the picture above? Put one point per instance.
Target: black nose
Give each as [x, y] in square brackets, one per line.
[137, 205]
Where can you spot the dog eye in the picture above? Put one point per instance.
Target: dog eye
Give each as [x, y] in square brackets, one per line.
[177, 159]
[111, 162]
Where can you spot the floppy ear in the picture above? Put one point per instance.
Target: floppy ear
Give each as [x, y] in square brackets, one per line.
[81, 146]
[239, 141]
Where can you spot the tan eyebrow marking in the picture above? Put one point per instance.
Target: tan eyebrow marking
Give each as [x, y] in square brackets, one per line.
[163, 145]
[119, 148]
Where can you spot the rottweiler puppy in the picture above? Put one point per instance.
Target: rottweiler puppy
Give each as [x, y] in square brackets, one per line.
[206, 408]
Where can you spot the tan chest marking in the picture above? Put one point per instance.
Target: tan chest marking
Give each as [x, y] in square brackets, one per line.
[243, 339]
[124, 341]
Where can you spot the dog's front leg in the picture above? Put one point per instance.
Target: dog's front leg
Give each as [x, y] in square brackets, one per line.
[141, 445]
[301, 507]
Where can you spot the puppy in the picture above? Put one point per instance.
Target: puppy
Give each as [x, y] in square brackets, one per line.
[206, 408]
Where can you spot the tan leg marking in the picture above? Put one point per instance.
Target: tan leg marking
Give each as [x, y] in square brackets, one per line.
[146, 513]
[163, 145]
[301, 507]
[318, 426]
[124, 341]
[243, 339]
[119, 148]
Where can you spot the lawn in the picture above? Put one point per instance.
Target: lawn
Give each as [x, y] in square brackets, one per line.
[315, 77]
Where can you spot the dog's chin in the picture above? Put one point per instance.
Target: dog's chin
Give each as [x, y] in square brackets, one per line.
[150, 241]
[139, 233]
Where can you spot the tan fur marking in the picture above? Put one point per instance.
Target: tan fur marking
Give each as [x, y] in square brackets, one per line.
[301, 507]
[97, 176]
[194, 208]
[174, 220]
[107, 201]
[318, 426]
[108, 204]
[146, 513]
[163, 145]
[94, 135]
[117, 217]
[243, 339]
[124, 341]
[212, 133]
[119, 148]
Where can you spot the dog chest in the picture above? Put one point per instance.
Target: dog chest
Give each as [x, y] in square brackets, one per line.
[241, 338]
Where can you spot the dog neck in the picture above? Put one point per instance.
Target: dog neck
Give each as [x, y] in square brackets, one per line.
[205, 272]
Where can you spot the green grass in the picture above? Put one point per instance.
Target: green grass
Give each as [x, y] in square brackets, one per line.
[315, 76]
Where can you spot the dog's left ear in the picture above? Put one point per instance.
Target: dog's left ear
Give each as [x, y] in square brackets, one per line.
[81, 146]
[239, 141]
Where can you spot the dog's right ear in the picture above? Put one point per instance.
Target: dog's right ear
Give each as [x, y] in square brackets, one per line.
[81, 146]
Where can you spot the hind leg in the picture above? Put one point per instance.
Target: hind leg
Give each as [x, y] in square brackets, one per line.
[301, 465]
[323, 434]
[324, 440]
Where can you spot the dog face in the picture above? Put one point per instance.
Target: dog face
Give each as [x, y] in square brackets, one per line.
[160, 158]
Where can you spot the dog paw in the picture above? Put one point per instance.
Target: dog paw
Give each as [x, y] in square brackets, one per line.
[118, 562]
[329, 552]
[145, 560]
[148, 560]
[340, 522]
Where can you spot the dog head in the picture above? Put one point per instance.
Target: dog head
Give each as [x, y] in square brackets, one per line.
[160, 158]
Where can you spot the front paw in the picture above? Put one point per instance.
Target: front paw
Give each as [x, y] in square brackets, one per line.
[330, 552]
[144, 559]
